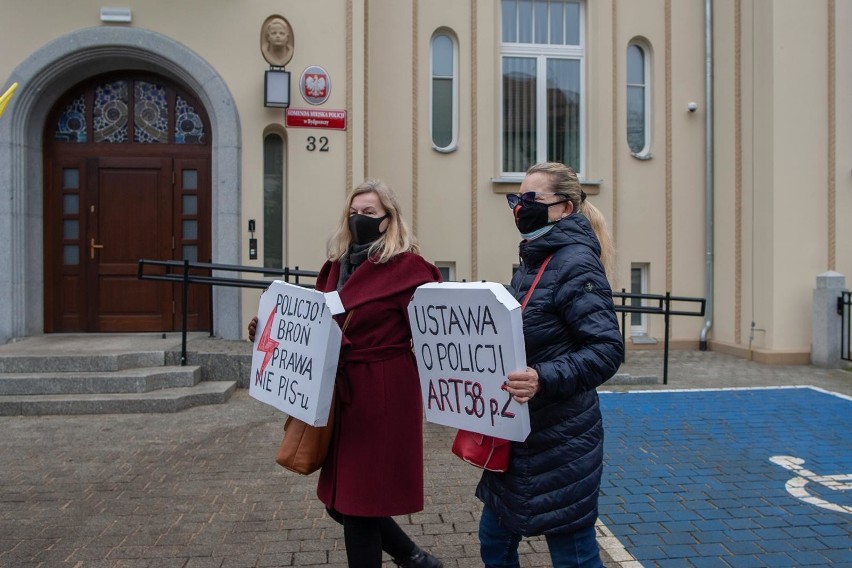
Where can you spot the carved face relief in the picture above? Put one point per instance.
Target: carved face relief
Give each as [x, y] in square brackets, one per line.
[276, 41]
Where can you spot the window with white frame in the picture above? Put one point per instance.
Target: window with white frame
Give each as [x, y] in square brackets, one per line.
[638, 100]
[444, 91]
[542, 61]
[448, 270]
[638, 285]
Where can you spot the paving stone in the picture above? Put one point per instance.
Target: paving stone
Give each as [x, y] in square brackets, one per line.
[199, 488]
[746, 561]
[709, 562]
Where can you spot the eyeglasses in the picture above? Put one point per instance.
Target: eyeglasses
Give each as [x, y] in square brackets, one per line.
[528, 198]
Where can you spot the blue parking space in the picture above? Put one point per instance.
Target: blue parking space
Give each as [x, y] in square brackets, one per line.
[735, 478]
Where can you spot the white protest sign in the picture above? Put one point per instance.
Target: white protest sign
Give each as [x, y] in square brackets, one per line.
[296, 347]
[467, 338]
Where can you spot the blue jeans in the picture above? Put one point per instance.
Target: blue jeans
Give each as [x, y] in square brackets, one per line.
[499, 547]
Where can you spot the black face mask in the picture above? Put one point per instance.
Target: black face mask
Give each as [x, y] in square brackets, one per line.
[365, 229]
[533, 216]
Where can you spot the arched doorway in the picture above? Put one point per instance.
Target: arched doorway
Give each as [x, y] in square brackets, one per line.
[126, 176]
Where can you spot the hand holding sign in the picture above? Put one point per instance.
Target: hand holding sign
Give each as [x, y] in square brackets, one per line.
[522, 385]
[294, 361]
[467, 338]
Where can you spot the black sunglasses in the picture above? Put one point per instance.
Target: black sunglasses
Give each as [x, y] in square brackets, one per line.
[528, 198]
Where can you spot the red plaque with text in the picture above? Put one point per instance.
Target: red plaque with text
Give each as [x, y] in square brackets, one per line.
[316, 118]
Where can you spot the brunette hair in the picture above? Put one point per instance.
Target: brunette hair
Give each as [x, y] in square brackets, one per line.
[564, 181]
[396, 239]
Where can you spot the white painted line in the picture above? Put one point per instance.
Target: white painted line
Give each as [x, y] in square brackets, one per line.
[796, 485]
[779, 387]
[720, 389]
[613, 547]
[837, 394]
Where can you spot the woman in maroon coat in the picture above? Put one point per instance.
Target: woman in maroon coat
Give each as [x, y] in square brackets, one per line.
[375, 464]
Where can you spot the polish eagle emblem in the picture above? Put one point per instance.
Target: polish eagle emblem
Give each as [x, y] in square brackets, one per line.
[315, 85]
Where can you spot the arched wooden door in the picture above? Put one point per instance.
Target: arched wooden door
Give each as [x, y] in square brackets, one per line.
[126, 177]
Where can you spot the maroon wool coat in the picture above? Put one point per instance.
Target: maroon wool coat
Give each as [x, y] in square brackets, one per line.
[375, 463]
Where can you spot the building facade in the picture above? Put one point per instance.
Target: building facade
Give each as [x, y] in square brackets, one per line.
[717, 147]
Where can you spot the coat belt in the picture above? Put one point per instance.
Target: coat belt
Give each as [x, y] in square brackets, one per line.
[374, 354]
[365, 355]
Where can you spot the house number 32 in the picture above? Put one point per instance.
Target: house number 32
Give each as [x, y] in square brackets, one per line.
[320, 144]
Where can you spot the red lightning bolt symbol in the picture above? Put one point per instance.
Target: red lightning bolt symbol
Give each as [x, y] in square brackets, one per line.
[266, 344]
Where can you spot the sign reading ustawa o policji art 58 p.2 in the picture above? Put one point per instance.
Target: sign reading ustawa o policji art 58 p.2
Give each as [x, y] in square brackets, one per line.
[296, 348]
[467, 338]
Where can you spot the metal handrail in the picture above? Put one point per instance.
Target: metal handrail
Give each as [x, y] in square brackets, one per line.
[844, 306]
[664, 308]
[185, 279]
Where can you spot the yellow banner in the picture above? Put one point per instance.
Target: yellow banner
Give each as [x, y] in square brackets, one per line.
[7, 96]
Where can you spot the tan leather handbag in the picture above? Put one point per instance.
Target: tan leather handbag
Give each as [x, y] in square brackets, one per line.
[305, 447]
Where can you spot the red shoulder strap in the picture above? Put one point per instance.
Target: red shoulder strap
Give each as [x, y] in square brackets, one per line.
[535, 282]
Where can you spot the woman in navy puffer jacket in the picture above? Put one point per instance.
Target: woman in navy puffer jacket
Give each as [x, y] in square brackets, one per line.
[573, 345]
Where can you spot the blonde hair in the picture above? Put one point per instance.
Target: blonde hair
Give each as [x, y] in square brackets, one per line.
[396, 239]
[564, 180]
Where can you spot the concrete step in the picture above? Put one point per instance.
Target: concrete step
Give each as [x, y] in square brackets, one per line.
[46, 362]
[99, 382]
[164, 400]
[627, 379]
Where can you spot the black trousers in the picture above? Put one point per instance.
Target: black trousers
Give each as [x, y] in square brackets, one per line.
[366, 537]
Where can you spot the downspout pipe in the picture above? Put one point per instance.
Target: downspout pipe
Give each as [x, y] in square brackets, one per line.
[708, 173]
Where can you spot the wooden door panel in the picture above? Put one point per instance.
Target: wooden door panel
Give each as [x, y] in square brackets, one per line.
[64, 272]
[73, 313]
[192, 207]
[129, 202]
[132, 211]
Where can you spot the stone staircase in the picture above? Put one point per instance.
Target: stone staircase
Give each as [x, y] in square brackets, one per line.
[133, 373]
[48, 381]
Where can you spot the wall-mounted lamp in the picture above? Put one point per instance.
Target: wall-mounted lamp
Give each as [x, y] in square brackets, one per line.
[123, 15]
[276, 88]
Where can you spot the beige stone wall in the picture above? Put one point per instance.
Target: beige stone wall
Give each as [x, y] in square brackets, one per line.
[841, 165]
[779, 176]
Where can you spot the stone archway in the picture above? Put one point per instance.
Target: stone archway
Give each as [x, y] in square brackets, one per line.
[43, 76]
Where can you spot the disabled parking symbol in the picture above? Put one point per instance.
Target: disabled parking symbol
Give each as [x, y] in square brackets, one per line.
[797, 486]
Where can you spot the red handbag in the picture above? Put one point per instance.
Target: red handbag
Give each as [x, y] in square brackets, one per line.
[481, 450]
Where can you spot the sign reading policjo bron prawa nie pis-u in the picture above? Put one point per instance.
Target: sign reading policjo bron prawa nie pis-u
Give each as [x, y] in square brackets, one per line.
[467, 338]
[296, 348]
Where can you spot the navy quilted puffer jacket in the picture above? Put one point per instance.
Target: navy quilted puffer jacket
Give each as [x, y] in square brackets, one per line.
[573, 342]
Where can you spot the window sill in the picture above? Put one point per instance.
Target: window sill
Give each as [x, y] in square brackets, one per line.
[448, 150]
[503, 185]
[644, 156]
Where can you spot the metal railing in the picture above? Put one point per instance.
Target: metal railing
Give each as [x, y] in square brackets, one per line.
[185, 279]
[844, 306]
[178, 272]
[661, 305]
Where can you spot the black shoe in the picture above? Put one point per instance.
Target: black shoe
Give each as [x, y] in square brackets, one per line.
[419, 559]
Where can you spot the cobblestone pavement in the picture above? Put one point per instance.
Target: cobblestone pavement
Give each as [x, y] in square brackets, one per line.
[199, 488]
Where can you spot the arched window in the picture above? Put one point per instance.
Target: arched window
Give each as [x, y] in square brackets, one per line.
[119, 110]
[638, 101]
[444, 91]
[273, 201]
